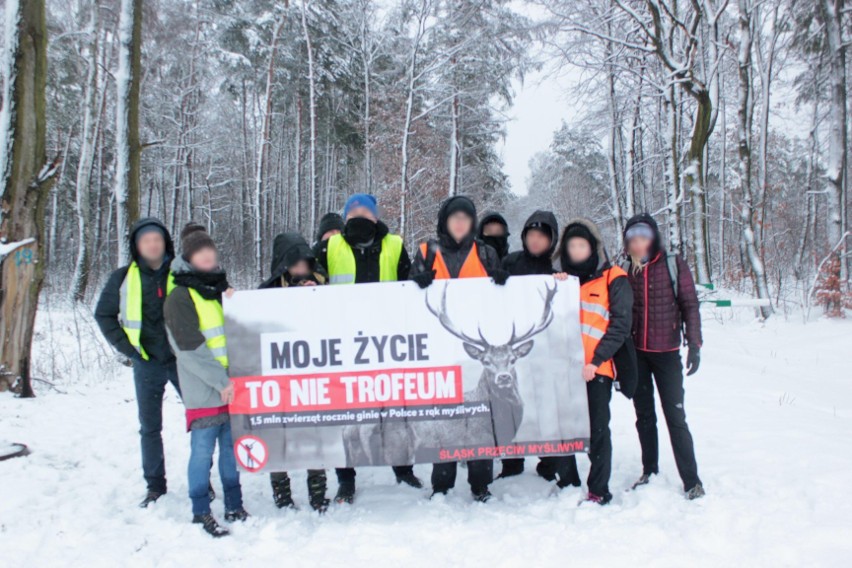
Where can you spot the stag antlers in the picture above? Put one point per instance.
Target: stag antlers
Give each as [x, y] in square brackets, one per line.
[542, 324]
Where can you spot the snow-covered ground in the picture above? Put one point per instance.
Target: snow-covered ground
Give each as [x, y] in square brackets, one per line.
[770, 410]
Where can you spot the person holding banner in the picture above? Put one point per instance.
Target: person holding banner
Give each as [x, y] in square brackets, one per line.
[195, 325]
[606, 303]
[294, 264]
[365, 252]
[666, 311]
[457, 253]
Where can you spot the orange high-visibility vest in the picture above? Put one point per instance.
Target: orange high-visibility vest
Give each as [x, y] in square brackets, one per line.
[594, 315]
[472, 267]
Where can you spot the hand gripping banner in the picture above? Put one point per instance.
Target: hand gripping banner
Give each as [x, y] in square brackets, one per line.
[389, 374]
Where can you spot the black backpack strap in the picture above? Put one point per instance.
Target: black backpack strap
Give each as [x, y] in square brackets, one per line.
[431, 253]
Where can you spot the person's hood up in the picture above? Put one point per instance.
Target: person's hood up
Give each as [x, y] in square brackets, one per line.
[545, 219]
[450, 206]
[603, 257]
[492, 217]
[287, 250]
[145, 222]
[648, 220]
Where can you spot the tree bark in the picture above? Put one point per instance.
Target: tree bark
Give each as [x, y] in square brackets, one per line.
[24, 188]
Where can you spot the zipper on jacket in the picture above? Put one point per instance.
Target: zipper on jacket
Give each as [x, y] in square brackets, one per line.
[645, 338]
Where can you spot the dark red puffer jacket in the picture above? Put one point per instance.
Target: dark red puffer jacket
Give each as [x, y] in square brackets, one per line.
[657, 316]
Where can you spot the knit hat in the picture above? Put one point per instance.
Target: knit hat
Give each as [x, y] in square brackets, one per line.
[361, 200]
[329, 222]
[150, 228]
[194, 237]
[581, 231]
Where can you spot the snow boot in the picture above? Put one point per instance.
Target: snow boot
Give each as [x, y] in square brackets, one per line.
[345, 493]
[696, 492]
[316, 491]
[481, 494]
[281, 493]
[409, 479]
[644, 479]
[210, 525]
[598, 499]
[150, 497]
[236, 515]
[512, 467]
[546, 470]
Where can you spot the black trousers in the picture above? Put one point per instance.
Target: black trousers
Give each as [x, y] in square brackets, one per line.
[666, 370]
[347, 474]
[599, 391]
[480, 474]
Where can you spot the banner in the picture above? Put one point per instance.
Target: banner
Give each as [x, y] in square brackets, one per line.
[389, 374]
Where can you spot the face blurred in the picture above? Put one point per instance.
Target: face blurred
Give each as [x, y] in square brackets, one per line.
[361, 212]
[579, 250]
[493, 229]
[537, 242]
[205, 260]
[328, 234]
[639, 246]
[459, 225]
[152, 247]
[301, 268]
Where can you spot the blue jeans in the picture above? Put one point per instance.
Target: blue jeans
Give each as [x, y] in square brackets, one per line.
[151, 378]
[203, 442]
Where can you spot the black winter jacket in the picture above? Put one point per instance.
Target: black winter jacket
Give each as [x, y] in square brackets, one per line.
[153, 337]
[522, 262]
[367, 256]
[287, 250]
[453, 253]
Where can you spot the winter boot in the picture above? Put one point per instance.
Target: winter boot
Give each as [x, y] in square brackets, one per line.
[511, 468]
[236, 515]
[410, 479]
[316, 491]
[210, 525]
[438, 493]
[281, 493]
[345, 493]
[546, 470]
[644, 479]
[697, 492]
[481, 494]
[598, 499]
[150, 497]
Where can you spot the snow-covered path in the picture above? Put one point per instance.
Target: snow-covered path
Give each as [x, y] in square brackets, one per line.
[770, 410]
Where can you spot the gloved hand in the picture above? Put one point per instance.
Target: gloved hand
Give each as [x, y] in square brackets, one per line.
[500, 276]
[424, 279]
[693, 360]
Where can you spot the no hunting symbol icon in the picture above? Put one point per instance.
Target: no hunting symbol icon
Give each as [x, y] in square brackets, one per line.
[251, 453]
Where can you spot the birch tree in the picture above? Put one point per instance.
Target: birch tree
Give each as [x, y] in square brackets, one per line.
[25, 181]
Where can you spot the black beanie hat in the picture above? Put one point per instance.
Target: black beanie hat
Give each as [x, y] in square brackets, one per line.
[194, 237]
[581, 231]
[330, 222]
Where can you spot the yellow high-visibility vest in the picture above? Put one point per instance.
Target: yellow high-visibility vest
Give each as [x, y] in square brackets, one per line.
[341, 260]
[211, 323]
[130, 305]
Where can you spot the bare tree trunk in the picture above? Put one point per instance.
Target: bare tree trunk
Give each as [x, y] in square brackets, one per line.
[750, 252]
[128, 148]
[835, 176]
[670, 144]
[810, 179]
[25, 180]
[312, 113]
[87, 156]
[454, 144]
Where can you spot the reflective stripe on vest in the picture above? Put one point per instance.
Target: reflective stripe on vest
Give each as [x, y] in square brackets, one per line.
[211, 323]
[130, 305]
[341, 260]
[594, 315]
[472, 267]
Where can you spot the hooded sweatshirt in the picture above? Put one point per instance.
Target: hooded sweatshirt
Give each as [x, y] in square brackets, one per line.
[455, 253]
[153, 336]
[659, 317]
[619, 291]
[523, 262]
